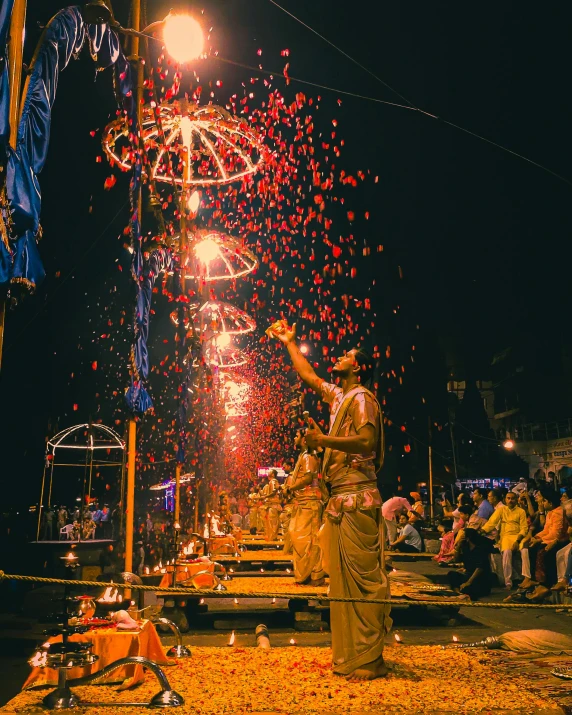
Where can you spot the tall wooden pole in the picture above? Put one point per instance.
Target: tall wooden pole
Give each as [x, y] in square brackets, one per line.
[130, 500]
[15, 50]
[132, 433]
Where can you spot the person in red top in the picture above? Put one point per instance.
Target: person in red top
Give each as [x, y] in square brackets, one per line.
[544, 546]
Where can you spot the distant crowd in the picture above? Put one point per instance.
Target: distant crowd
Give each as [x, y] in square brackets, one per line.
[517, 538]
[91, 522]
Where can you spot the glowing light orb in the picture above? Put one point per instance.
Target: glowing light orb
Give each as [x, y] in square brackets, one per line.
[194, 202]
[207, 251]
[223, 340]
[508, 444]
[304, 349]
[218, 257]
[183, 37]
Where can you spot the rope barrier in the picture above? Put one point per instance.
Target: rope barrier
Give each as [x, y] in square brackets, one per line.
[211, 593]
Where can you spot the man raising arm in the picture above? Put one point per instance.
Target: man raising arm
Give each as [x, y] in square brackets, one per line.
[350, 537]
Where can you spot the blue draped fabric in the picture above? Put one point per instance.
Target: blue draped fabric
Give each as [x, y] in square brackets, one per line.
[159, 261]
[5, 15]
[20, 262]
[63, 39]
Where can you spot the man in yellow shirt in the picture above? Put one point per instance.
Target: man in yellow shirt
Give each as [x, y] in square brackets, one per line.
[510, 521]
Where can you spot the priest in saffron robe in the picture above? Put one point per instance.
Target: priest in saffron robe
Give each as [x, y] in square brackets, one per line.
[306, 519]
[351, 536]
[272, 506]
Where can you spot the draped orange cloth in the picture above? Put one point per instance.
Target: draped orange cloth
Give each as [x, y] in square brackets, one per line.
[185, 572]
[110, 645]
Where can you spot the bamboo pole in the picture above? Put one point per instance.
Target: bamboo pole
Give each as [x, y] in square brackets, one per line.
[130, 501]
[132, 433]
[15, 50]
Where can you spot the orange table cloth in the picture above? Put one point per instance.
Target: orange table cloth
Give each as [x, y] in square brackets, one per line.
[109, 644]
[185, 572]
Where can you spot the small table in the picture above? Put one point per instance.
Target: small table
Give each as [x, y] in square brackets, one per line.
[109, 644]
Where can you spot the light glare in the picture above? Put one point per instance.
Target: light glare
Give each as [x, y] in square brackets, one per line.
[207, 251]
[223, 340]
[183, 37]
[194, 202]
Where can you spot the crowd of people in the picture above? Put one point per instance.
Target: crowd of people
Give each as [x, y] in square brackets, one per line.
[519, 539]
[89, 522]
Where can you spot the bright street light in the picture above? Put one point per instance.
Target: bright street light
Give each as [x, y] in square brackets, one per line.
[183, 37]
[508, 444]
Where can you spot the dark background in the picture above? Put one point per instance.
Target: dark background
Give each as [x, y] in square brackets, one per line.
[481, 236]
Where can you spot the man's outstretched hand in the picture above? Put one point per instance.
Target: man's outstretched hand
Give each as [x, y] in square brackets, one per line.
[287, 335]
[313, 435]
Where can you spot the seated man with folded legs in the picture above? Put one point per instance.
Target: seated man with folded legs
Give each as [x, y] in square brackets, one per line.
[543, 547]
[408, 540]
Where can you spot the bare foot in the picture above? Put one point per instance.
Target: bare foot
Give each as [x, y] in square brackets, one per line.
[527, 583]
[369, 672]
[539, 594]
[560, 586]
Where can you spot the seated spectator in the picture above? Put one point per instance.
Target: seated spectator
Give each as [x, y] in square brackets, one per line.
[408, 540]
[446, 551]
[543, 547]
[484, 507]
[564, 566]
[475, 579]
[465, 513]
[512, 526]
[417, 513]
[495, 498]
[450, 513]
[468, 519]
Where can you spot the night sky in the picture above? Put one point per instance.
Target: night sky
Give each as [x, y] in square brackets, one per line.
[481, 236]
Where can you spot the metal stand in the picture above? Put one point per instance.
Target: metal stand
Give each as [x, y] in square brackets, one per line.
[179, 650]
[63, 697]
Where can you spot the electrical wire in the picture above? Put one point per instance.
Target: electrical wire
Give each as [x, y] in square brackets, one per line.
[415, 107]
[280, 75]
[349, 57]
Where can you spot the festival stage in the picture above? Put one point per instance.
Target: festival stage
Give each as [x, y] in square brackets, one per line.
[423, 680]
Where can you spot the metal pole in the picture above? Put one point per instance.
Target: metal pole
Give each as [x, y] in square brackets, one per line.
[454, 454]
[130, 505]
[177, 493]
[431, 505]
[41, 500]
